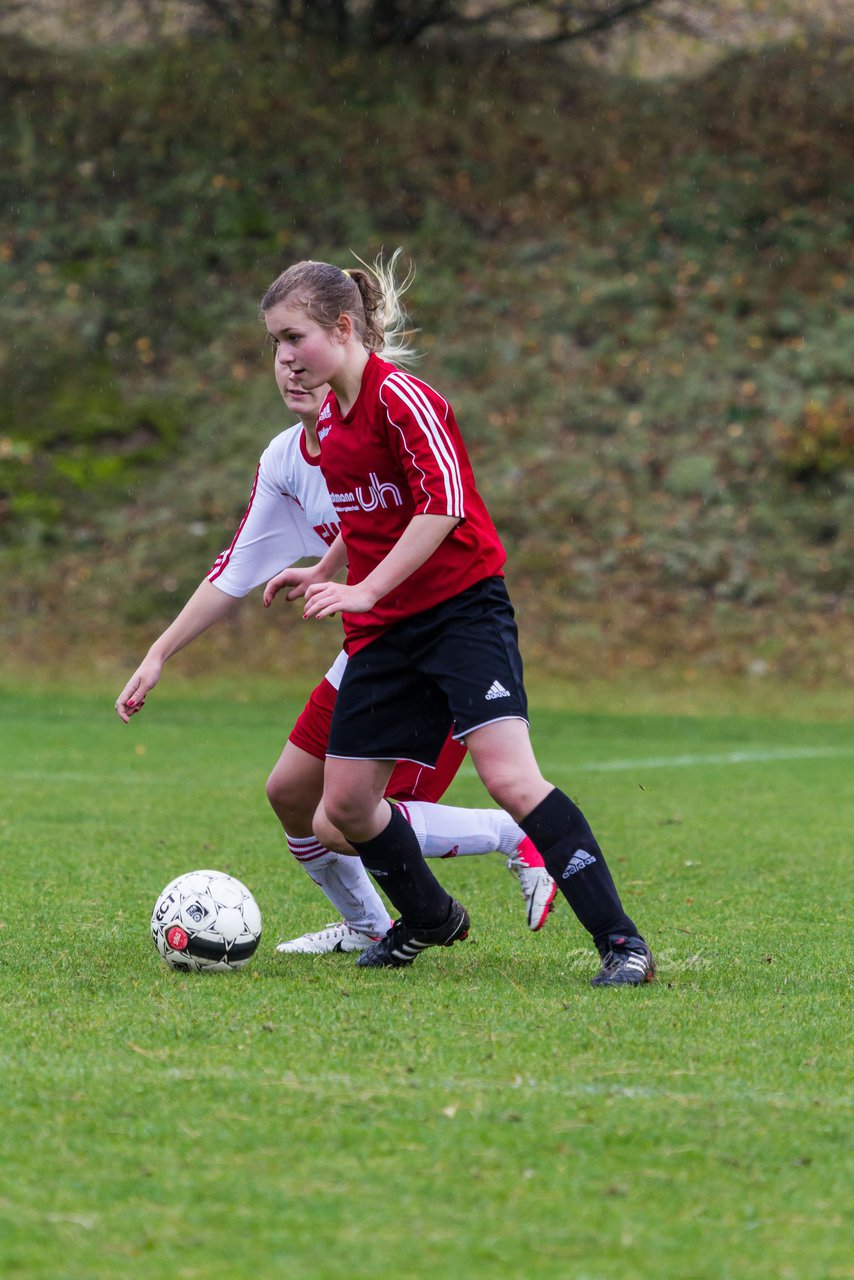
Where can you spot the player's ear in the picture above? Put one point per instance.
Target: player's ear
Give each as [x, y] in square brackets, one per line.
[343, 328]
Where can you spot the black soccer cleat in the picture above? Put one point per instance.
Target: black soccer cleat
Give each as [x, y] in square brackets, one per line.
[626, 962]
[401, 944]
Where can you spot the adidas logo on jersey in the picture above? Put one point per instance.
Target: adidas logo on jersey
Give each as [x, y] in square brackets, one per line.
[496, 690]
[579, 860]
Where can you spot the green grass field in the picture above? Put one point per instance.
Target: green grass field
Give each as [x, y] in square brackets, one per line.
[485, 1113]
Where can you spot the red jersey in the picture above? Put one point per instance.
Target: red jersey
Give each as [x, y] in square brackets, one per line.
[399, 453]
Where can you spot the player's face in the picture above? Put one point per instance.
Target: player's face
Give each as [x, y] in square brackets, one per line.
[308, 353]
[305, 404]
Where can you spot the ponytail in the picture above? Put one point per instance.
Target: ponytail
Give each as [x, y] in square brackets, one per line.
[382, 297]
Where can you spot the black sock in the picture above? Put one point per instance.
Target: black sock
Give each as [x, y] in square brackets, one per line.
[562, 834]
[395, 860]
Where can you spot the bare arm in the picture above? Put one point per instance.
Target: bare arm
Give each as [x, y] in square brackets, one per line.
[206, 606]
[419, 540]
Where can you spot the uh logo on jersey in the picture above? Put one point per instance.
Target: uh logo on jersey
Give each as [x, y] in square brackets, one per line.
[376, 493]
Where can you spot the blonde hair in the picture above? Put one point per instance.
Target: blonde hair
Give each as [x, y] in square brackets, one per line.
[370, 295]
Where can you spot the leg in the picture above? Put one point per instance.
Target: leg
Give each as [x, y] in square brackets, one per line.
[353, 805]
[352, 808]
[294, 788]
[504, 758]
[445, 831]
[368, 728]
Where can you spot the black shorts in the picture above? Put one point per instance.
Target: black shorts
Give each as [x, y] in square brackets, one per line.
[457, 663]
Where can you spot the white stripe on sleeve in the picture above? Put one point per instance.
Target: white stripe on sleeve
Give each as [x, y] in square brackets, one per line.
[436, 434]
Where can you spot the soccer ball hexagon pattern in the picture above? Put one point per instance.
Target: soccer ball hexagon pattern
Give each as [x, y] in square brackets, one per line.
[206, 921]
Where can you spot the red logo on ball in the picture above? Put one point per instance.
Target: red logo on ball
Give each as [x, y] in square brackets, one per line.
[177, 938]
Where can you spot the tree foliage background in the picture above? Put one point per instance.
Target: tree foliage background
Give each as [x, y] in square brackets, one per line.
[636, 291]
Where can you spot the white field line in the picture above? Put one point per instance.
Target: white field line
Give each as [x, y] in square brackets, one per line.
[750, 755]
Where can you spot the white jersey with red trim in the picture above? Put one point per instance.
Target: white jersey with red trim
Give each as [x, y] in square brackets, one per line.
[399, 453]
[289, 516]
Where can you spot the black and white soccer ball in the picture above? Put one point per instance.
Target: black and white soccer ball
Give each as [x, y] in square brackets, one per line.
[206, 921]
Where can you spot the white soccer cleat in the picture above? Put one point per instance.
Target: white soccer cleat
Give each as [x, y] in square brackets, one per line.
[334, 937]
[538, 888]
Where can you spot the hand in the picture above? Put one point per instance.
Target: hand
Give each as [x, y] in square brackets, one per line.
[132, 697]
[296, 579]
[325, 599]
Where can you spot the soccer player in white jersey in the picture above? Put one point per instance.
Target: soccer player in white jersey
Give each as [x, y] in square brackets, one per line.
[427, 621]
[290, 516]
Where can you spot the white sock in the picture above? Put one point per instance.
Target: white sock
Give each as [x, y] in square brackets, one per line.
[346, 884]
[444, 831]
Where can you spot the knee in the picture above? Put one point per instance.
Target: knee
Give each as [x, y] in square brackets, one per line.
[345, 816]
[327, 833]
[289, 801]
[342, 812]
[516, 795]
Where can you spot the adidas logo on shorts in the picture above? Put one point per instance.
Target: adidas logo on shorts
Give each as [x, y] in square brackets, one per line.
[496, 690]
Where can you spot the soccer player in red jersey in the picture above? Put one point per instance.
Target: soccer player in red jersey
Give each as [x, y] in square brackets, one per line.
[430, 631]
[290, 516]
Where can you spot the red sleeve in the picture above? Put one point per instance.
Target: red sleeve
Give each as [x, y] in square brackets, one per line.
[423, 429]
